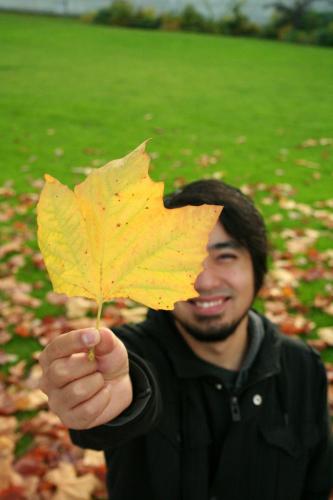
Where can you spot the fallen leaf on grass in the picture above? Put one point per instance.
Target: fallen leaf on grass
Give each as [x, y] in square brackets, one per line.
[33, 378]
[135, 314]
[93, 458]
[11, 246]
[311, 143]
[325, 303]
[284, 277]
[77, 307]
[179, 182]
[6, 191]
[7, 405]
[300, 244]
[16, 372]
[326, 334]
[306, 163]
[8, 477]
[318, 344]
[16, 262]
[296, 325]
[45, 423]
[56, 299]
[330, 397]
[7, 358]
[38, 261]
[4, 337]
[8, 426]
[23, 299]
[329, 372]
[28, 466]
[206, 160]
[69, 485]
[33, 399]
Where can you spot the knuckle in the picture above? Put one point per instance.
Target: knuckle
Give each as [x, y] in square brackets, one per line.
[60, 372]
[78, 389]
[52, 375]
[99, 379]
[88, 413]
[57, 351]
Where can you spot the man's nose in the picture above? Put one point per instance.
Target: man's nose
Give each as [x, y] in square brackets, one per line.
[208, 279]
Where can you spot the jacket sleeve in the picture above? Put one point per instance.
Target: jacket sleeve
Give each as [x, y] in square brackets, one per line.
[319, 482]
[136, 420]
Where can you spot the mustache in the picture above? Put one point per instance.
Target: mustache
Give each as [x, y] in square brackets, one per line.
[226, 292]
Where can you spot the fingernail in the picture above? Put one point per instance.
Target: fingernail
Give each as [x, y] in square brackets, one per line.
[90, 337]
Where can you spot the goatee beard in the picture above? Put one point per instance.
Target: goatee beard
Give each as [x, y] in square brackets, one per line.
[214, 334]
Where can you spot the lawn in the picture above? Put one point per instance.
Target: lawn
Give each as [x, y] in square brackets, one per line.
[257, 114]
[75, 95]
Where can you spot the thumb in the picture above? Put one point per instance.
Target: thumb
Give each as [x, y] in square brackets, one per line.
[111, 355]
[106, 343]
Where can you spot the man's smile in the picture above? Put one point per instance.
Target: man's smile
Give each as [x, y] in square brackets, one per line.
[209, 306]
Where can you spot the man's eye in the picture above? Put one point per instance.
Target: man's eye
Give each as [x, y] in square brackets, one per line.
[226, 256]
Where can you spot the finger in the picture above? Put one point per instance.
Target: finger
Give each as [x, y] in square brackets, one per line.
[68, 344]
[107, 342]
[77, 392]
[86, 414]
[65, 370]
[111, 355]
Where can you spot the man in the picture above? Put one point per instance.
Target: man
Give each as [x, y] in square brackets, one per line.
[209, 401]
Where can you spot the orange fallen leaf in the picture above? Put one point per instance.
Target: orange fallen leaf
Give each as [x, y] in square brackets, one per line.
[317, 344]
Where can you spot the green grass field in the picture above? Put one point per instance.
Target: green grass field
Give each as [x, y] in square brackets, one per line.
[75, 95]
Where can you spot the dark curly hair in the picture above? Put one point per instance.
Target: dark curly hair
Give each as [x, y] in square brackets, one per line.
[240, 218]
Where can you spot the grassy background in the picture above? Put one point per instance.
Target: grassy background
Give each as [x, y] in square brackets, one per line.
[75, 95]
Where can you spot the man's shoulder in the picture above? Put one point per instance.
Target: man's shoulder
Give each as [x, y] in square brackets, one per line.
[295, 353]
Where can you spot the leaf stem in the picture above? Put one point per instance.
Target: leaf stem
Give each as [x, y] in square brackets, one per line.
[99, 313]
[91, 352]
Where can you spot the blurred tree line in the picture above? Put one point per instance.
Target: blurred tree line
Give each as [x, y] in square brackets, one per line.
[295, 22]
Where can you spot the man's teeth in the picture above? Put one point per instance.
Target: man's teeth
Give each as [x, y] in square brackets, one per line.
[211, 303]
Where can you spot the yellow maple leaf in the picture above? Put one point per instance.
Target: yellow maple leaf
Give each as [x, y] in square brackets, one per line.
[113, 237]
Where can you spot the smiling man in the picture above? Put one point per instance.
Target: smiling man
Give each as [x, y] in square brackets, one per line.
[210, 401]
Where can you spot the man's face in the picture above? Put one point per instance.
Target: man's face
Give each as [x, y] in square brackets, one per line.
[225, 290]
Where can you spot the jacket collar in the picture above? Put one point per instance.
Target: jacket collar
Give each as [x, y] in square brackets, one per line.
[186, 364]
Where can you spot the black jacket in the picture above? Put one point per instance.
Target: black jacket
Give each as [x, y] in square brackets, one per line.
[276, 442]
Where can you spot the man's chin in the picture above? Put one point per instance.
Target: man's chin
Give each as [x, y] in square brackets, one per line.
[216, 318]
[210, 334]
